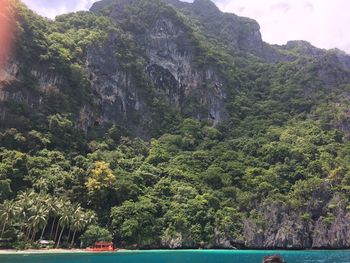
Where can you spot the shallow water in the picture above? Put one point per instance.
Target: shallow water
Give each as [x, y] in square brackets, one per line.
[188, 256]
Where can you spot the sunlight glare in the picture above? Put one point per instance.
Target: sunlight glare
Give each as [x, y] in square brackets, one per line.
[6, 31]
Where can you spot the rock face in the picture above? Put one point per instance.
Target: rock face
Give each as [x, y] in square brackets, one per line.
[118, 96]
[167, 73]
[238, 33]
[200, 91]
[31, 94]
[14, 94]
[170, 64]
[334, 234]
[283, 229]
[169, 54]
[171, 68]
[168, 70]
[280, 226]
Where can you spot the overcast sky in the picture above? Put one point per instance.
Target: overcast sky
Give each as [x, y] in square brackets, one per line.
[324, 23]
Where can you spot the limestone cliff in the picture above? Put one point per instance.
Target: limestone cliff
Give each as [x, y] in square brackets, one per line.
[169, 55]
[151, 68]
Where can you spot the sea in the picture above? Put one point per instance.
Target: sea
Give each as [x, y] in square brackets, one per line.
[182, 256]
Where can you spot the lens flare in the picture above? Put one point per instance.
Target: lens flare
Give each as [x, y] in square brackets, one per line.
[6, 31]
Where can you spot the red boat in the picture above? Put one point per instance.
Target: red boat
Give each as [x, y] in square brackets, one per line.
[102, 247]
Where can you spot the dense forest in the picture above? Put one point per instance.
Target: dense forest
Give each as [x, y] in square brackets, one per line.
[139, 123]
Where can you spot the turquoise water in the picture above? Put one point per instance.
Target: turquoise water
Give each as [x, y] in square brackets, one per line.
[188, 256]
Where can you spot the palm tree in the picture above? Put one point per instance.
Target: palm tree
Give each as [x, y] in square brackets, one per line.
[41, 185]
[37, 220]
[7, 212]
[64, 221]
[33, 212]
[55, 205]
[91, 217]
[79, 222]
[25, 201]
[47, 202]
[59, 206]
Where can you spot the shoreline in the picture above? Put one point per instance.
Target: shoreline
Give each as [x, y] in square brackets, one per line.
[49, 251]
[83, 251]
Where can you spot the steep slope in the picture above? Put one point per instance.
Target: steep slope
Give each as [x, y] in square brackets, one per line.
[171, 54]
[153, 50]
[236, 33]
[204, 72]
[242, 143]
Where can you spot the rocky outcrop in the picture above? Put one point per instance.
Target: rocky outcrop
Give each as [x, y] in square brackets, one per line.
[183, 240]
[167, 73]
[120, 100]
[168, 54]
[333, 233]
[238, 33]
[318, 226]
[303, 48]
[12, 93]
[281, 229]
[171, 68]
[31, 94]
[170, 64]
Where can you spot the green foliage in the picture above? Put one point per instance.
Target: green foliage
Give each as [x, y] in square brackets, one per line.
[95, 234]
[135, 222]
[284, 140]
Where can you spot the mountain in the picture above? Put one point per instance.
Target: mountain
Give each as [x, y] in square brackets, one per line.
[172, 124]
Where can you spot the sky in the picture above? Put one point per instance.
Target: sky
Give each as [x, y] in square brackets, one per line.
[324, 23]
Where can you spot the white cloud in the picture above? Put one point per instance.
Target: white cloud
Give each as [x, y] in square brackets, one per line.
[324, 23]
[51, 9]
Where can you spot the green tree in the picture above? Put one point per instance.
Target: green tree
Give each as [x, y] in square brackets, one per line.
[7, 213]
[94, 234]
[65, 220]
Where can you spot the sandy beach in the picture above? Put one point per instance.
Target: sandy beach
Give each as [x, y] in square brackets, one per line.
[47, 251]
